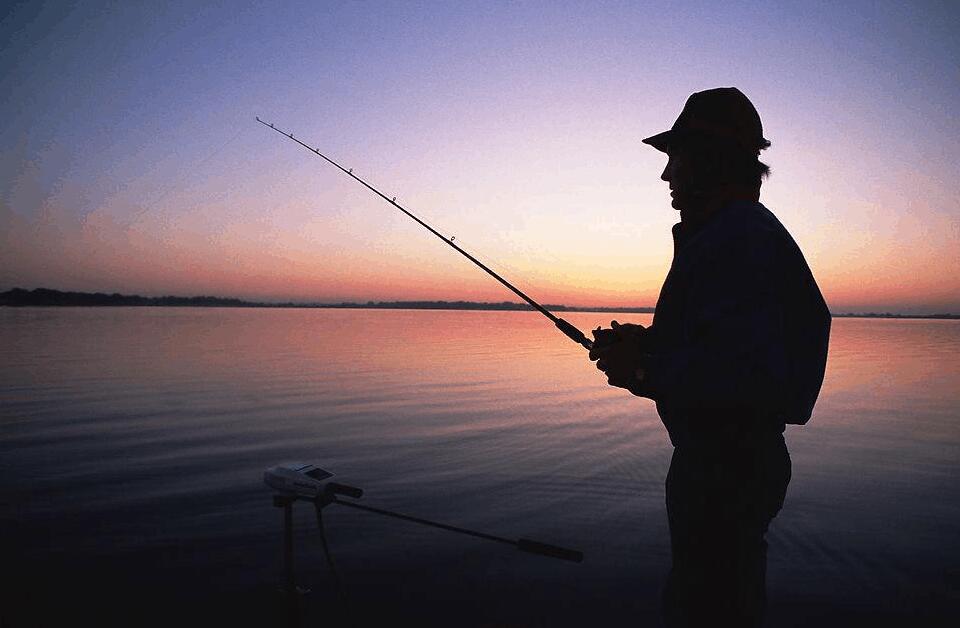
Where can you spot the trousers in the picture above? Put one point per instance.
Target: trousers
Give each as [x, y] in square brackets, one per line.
[721, 497]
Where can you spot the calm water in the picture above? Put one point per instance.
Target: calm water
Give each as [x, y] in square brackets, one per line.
[132, 443]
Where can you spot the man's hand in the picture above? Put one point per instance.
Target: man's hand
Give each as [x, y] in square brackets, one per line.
[618, 352]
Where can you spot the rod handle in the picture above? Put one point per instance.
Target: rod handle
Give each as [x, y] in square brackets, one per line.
[553, 551]
[573, 333]
[336, 488]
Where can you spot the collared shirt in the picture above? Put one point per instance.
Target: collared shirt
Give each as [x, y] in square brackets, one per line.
[740, 331]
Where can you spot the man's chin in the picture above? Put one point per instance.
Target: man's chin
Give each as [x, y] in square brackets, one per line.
[688, 202]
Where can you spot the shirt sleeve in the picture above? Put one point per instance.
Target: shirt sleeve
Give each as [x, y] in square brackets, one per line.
[732, 353]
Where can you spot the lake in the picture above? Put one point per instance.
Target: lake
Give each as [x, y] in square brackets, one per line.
[133, 442]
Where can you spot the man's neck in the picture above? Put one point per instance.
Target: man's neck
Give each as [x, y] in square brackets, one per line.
[697, 215]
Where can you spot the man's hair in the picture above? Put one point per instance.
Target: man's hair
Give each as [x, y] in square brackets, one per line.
[720, 160]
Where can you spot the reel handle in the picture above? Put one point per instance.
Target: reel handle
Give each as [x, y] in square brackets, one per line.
[604, 337]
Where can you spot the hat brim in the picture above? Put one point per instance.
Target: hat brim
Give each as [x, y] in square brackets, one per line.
[661, 141]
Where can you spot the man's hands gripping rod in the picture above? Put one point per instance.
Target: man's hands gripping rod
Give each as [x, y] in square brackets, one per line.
[619, 352]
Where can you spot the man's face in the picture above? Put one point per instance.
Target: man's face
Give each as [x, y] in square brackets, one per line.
[685, 192]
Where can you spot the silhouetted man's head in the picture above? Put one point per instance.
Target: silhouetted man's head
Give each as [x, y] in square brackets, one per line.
[713, 150]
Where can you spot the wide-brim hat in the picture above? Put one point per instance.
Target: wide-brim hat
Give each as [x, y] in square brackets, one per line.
[723, 113]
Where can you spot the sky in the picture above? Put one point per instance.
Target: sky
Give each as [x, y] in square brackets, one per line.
[131, 160]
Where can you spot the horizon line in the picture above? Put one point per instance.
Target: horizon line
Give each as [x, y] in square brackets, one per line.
[50, 297]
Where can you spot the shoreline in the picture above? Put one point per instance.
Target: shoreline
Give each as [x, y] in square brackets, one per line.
[44, 297]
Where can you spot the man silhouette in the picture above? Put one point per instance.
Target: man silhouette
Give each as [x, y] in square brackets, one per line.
[737, 349]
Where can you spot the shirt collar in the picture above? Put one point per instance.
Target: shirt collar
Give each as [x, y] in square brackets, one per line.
[689, 226]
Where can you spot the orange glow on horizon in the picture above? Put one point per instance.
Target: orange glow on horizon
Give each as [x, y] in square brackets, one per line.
[255, 261]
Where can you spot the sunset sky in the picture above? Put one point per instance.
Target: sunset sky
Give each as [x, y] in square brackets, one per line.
[131, 161]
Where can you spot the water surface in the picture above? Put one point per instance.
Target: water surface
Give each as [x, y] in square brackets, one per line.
[132, 443]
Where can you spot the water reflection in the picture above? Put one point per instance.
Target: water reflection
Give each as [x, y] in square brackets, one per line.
[132, 443]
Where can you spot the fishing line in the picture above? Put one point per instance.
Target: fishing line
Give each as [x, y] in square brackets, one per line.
[175, 184]
[568, 330]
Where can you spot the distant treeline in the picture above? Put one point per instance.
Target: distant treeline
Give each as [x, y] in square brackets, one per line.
[891, 315]
[47, 297]
[476, 305]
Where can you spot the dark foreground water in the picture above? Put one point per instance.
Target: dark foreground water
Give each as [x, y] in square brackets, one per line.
[132, 443]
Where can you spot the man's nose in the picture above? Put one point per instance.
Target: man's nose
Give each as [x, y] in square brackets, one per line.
[667, 173]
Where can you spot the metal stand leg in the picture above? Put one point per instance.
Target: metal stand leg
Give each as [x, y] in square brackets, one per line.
[289, 585]
[291, 592]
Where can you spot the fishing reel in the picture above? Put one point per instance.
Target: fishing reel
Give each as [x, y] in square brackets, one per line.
[618, 333]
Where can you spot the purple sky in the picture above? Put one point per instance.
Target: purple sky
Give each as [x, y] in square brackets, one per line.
[132, 162]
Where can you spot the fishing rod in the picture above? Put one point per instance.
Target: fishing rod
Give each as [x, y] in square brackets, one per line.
[568, 329]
